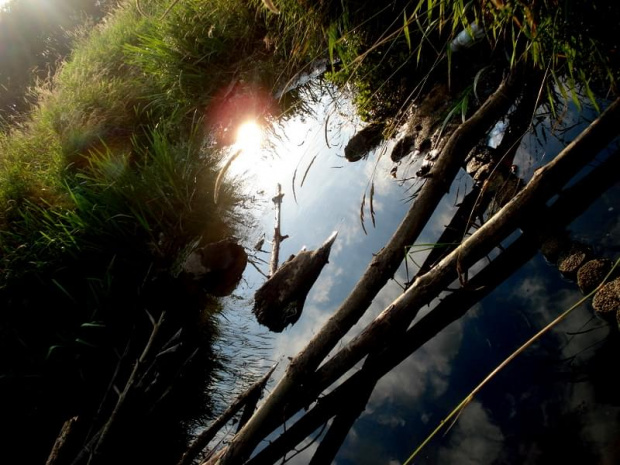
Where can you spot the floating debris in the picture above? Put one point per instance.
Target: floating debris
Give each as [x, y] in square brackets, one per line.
[280, 300]
[592, 274]
[216, 268]
[364, 142]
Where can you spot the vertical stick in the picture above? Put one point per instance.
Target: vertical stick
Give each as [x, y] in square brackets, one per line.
[277, 236]
[61, 441]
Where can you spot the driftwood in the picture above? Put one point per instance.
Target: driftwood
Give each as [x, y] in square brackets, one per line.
[571, 204]
[380, 270]
[61, 441]
[280, 300]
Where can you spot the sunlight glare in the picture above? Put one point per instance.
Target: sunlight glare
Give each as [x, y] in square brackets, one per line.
[265, 159]
[249, 138]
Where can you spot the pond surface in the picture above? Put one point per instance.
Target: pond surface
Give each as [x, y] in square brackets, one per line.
[556, 403]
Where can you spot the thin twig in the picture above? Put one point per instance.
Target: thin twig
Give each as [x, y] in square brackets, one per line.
[105, 431]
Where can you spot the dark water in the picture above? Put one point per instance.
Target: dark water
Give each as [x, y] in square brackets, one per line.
[556, 403]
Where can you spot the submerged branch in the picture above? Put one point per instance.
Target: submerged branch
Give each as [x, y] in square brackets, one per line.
[134, 378]
[249, 397]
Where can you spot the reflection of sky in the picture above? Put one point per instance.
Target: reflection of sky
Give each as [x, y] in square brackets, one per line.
[547, 406]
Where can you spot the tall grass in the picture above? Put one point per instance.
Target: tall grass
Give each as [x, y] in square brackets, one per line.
[108, 183]
[380, 43]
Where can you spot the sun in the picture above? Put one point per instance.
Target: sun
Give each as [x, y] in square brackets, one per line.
[249, 138]
[258, 158]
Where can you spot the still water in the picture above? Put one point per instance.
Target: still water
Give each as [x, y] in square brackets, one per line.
[557, 402]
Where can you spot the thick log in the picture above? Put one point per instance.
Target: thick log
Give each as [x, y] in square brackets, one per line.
[477, 200]
[520, 211]
[381, 269]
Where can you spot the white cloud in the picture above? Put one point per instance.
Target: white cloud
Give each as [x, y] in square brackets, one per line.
[475, 440]
[425, 372]
[320, 292]
[294, 338]
[543, 306]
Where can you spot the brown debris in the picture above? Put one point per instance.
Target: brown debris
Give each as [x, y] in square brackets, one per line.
[592, 274]
[570, 261]
[365, 141]
[280, 300]
[215, 268]
[606, 302]
[553, 245]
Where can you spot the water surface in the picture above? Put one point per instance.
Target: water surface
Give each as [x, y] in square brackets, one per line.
[555, 403]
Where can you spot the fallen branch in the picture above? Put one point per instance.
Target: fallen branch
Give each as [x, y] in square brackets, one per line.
[61, 441]
[571, 204]
[380, 270]
[519, 211]
[103, 435]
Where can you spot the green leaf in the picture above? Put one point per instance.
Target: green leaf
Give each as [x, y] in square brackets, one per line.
[476, 80]
[464, 106]
[85, 343]
[406, 31]
[93, 324]
[64, 291]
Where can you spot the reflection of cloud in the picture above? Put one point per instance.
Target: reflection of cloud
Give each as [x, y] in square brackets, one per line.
[611, 237]
[323, 286]
[349, 233]
[427, 370]
[533, 292]
[600, 422]
[294, 338]
[358, 450]
[476, 440]
[304, 457]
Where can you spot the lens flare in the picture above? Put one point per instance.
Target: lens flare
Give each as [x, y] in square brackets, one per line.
[249, 138]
